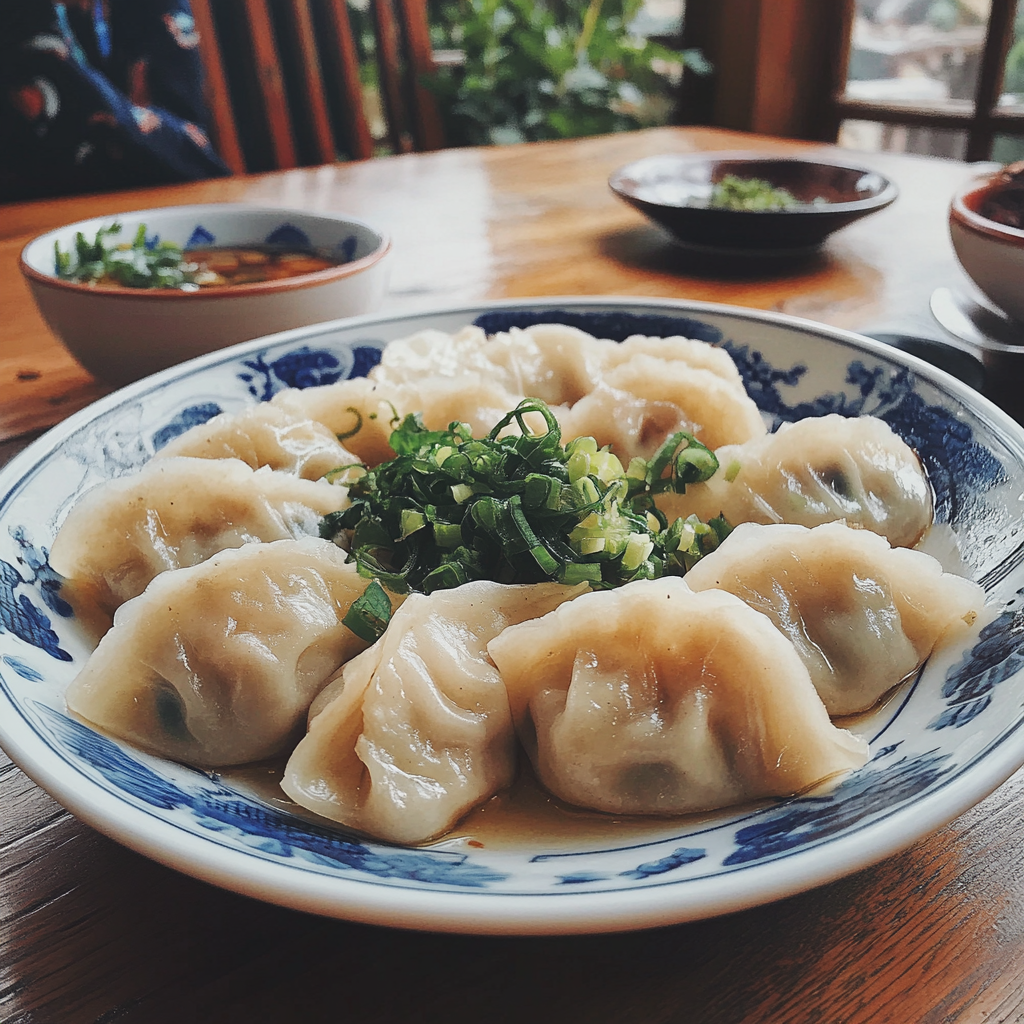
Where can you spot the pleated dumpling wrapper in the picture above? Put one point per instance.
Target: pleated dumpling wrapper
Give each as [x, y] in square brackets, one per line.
[554, 363]
[418, 729]
[264, 435]
[217, 664]
[817, 470]
[364, 412]
[631, 427]
[861, 614]
[718, 409]
[641, 376]
[172, 514]
[652, 699]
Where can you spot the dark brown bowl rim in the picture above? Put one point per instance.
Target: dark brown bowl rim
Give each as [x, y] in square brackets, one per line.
[888, 193]
[963, 215]
[254, 288]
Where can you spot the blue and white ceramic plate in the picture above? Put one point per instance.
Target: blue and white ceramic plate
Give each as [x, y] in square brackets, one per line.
[947, 738]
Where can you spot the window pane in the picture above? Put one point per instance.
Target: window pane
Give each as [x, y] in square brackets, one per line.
[919, 52]
[871, 136]
[1013, 77]
[1008, 149]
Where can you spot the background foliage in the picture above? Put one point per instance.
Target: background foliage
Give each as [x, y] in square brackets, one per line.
[551, 69]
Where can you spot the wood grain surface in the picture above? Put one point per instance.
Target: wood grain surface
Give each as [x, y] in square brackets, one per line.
[520, 221]
[91, 932]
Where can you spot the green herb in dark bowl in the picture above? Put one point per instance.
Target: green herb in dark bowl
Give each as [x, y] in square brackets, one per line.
[755, 194]
[515, 509]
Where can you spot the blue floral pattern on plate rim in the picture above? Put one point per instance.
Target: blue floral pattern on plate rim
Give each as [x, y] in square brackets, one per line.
[949, 737]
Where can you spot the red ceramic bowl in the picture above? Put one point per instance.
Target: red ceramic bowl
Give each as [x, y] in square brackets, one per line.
[991, 253]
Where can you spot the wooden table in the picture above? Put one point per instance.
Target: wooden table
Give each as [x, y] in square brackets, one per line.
[91, 932]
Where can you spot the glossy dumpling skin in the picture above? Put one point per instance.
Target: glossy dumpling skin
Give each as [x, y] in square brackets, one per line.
[173, 513]
[652, 699]
[716, 407]
[552, 362]
[861, 614]
[631, 427]
[364, 412]
[217, 664]
[682, 383]
[814, 471]
[698, 355]
[264, 435]
[419, 729]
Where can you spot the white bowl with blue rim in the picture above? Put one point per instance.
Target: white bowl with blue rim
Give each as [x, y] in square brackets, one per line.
[948, 737]
[122, 334]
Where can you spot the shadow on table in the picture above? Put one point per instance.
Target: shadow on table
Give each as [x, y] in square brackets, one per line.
[650, 248]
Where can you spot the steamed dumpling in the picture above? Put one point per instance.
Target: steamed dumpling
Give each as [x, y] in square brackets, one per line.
[418, 730]
[861, 615]
[365, 412]
[815, 471]
[554, 362]
[217, 664]
[718, 410]
[358, 410]
[698, 355]
[551, 362]
[631, 427]
[432, 353]
[175, 513]
[264, 435]
[652, 699]
[629, 395]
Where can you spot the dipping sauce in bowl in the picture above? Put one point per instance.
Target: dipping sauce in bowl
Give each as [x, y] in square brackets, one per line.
[248, 266]
[986, 224]
[1002, 199]
[176, 282]
[144, 263]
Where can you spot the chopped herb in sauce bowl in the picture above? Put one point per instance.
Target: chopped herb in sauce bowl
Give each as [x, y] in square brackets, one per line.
[736, 193]
[133, 293]
[747, 204]
[104, 263]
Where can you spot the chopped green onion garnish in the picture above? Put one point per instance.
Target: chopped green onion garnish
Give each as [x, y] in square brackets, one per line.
[518, 508]
[411, 522]
[135, 265]
[369, 614]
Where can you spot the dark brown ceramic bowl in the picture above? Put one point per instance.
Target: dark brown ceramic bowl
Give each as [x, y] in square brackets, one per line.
[664, 187]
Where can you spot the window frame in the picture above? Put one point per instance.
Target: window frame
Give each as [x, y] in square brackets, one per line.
[767, 78]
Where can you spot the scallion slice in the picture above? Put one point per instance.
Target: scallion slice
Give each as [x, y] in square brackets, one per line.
[518, 507]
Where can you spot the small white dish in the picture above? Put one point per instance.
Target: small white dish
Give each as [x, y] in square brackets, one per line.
[123, 334]
[946, 739]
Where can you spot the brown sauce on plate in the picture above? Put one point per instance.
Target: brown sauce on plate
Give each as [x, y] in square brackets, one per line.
[527, 816]
[524, 816]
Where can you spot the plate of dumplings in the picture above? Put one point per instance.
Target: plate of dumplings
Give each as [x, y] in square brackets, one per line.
[194, 660]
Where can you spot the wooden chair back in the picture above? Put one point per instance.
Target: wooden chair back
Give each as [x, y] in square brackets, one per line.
[284, 88]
